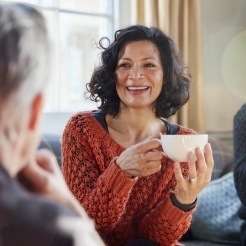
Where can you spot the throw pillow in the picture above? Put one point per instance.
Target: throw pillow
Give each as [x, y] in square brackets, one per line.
[216, 218]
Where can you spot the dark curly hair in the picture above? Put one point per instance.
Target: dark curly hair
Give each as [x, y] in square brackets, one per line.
[176, 81]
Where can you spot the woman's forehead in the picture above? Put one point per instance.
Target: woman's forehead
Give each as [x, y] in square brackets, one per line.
[144, 48]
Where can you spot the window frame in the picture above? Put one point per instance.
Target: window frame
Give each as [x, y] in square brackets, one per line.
[54, 121]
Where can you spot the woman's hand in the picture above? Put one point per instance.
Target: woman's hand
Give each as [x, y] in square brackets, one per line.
[141, 159]
[200, 172]
[44, 176]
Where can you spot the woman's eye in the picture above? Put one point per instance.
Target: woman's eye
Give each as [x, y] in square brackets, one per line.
[149, 65]
[124, 65]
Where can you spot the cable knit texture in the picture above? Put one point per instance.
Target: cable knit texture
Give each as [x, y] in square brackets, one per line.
[239, 141]
[123, 208]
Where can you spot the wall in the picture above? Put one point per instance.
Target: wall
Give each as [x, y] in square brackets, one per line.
[224, 61]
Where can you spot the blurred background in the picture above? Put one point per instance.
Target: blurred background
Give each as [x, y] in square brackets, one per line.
[211, 35]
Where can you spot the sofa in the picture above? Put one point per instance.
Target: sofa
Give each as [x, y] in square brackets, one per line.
[223, 158]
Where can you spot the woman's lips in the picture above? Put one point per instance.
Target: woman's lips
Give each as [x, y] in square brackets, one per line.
[137, 88]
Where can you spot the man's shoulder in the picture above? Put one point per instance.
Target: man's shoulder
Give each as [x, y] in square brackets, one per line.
[19, 205]
[241, 113]
[28, 218]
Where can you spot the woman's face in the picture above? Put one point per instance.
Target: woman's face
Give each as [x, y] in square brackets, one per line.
[139, 74]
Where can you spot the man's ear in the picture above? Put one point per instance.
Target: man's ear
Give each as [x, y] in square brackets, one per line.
[36, 110]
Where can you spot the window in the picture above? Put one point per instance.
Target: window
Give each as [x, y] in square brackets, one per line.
[74, 26]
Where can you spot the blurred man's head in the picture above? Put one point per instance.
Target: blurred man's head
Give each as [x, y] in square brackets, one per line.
[24, 63]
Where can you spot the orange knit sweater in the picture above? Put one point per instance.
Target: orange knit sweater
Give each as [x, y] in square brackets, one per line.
[122, 208]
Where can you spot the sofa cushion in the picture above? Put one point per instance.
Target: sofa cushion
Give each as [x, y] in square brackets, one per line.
[52, 141]
[223, 157]
[216, 218]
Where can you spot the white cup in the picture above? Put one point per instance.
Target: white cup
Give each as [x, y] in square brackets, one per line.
[177, 147]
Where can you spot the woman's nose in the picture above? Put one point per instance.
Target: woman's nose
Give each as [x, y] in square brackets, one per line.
[136, 73]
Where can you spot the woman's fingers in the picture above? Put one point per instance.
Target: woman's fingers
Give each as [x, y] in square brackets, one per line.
[210, 162]
[204, 164]
[192, 166]
[153, 156]
[200, 170]
[201, 164]
[178, 173]
[146, 146]
[141, 159]
[144, 170]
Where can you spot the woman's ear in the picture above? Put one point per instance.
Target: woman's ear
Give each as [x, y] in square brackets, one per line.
[36, 111]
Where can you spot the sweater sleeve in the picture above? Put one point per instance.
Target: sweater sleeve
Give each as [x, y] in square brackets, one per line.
[239, 144]
[103, 194]
[165, 223]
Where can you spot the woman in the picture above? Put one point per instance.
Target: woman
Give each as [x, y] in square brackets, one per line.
[112, 158]
[36, 206]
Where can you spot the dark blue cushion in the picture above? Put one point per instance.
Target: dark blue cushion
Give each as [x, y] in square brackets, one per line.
[52, 141]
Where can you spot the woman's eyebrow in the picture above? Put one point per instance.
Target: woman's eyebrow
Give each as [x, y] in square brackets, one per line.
[146, 58]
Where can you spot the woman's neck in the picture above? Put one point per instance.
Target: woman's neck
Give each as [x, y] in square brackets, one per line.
[132, 126]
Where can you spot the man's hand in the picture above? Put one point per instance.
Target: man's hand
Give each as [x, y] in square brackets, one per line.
[43, 176]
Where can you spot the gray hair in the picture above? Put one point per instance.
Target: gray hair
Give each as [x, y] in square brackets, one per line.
[24, 59]
[24, 53]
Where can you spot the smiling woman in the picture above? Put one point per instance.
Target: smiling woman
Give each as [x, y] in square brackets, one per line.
[167, 59]
[112, 158]
[139, 74]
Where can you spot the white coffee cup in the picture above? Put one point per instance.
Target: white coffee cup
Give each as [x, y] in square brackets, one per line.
[177, 147]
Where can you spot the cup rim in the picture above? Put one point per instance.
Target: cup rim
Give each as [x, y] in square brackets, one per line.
[184, 135]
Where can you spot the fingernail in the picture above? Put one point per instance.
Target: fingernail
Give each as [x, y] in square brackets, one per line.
[190, 156]
[199, 151]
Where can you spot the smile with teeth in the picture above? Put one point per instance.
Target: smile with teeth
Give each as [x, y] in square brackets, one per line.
[137, 88]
